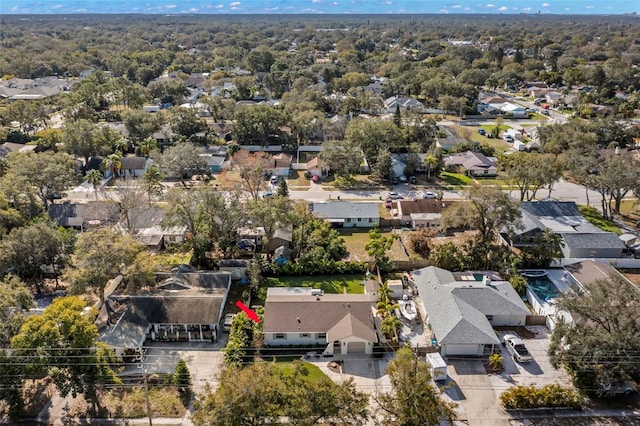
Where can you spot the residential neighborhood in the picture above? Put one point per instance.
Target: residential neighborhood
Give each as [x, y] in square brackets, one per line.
[329, 221]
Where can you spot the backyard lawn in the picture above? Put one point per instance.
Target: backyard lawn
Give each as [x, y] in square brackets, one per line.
[328, 283]
[356, 239]
[594, 217]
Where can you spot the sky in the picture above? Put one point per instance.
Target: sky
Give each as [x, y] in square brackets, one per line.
[581, 7]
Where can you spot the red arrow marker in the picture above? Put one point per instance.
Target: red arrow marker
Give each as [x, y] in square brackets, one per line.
[250, 313]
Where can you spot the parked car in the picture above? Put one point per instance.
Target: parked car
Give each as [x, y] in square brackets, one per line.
[413, 179]
[394, 195]
[267, 194]
[507, 138]
[315, 178]
[482, 132]
[429, 194]
[402, 179]
[274, 179]
[625, 388]
[515, 346]
[388, 203]
[228, 319]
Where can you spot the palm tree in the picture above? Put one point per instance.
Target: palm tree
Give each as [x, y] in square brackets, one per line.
[120, 146]
[390, 326]
[147, 145]
[94, 178]
[431, 162]
[113, 163]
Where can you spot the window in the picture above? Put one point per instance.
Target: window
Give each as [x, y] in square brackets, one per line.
[490, 318]
[305, 335]
[322, 336]
[281, 336]
[347, 220]
[359, 219]
[370, 220]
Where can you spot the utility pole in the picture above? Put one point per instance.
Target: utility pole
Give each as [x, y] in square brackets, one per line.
[146, 387]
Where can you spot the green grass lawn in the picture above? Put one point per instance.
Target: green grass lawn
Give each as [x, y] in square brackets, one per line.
[314, 372]
[594, 217]
[328, 283]
[455, 178]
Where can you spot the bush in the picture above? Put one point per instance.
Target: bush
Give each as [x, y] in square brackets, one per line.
[549, 396]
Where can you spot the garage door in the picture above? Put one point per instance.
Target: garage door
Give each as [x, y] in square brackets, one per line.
[462, 350]
[356, 347]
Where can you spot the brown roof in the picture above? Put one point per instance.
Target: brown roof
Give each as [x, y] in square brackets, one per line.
[589, 271]
[340, 315]
[281, 160]
[314, 162]
[422, 205]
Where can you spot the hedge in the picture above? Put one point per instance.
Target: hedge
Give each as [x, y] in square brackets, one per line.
[549, 396]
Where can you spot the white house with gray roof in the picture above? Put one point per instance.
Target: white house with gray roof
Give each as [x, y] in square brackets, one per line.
[338, 324]
[347, 214]
[462, 312]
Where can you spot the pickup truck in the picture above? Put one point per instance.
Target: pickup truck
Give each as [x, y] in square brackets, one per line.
[515, 346]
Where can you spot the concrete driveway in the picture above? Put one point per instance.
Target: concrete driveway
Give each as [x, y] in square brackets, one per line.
[478, 403]
[539, 372]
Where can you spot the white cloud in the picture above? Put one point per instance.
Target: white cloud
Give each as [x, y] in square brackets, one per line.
[234, 4]
[489, 5]
[526, 9]
[545, 5]
[456, 6]
[503, 8]
[590, 7]
[386, 2]
[567, 9]
[316, 1]
[170, 6]
[220, 6]
[443, 11]
[57, 6]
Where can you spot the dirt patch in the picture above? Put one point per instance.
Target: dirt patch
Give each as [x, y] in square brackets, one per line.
[632, 275]
[520, 331]
[490, 370]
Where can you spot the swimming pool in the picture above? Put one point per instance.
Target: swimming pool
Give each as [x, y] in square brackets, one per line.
[542, 287]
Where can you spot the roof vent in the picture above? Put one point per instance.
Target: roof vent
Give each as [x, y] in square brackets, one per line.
[486, 280]
[298, 319]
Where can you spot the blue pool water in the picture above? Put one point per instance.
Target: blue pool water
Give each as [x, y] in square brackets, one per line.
[543, 287]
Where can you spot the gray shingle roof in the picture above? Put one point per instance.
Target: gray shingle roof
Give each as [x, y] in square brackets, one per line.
[458, 310]
[345, 210]
[550, 208]
[596, 240]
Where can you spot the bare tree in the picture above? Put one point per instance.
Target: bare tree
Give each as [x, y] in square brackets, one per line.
[252, 168]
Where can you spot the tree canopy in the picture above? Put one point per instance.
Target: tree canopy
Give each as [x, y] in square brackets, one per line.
[601, 348]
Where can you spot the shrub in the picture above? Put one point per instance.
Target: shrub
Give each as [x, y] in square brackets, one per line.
[549, 396]
[495, 360]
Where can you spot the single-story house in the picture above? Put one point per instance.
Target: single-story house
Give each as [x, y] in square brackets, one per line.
[145, 224]
[214, 163]
[280, 164]
[83, 215]
[473, 163]
[446, 139]
[580, 238]
[9, 147]
[133, 166]
[421, 212]
[339, 324]
[347, 214]
[462, 312]
[184, 306]
[405, 103]
[315, 167]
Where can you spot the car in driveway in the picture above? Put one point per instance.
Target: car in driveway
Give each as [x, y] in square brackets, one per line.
[482, 132]
[429, 194]
[388, 203]
[515, 346]
[228, 320]
[315, 178]
[394, 195]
